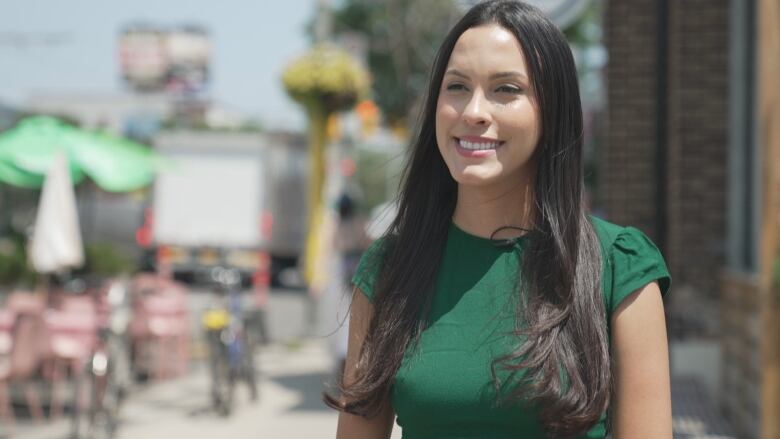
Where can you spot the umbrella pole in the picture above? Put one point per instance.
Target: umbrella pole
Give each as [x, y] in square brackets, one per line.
[92, 197]
[87, 198]
[5, 205]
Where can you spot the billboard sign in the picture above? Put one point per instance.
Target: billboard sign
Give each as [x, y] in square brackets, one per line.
[156, 59]
[142, 58]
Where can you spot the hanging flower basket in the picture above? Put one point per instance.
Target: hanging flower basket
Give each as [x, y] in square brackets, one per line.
[326, 76]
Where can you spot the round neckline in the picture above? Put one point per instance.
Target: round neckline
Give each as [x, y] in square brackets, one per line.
[481, 239]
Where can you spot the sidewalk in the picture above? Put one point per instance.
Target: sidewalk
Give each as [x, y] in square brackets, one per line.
[290, 405]
[694, 415]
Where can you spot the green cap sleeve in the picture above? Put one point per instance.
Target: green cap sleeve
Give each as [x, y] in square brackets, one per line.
[635, 262]
[369, 267]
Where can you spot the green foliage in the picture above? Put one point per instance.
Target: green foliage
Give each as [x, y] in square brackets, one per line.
[14, 270]
[100, 259]
[326, 76]
[377, 177]
[104, 259]
[402, 38]
[586, 31]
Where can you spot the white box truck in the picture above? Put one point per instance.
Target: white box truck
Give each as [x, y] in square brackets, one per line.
[227, 198]
[211, 204]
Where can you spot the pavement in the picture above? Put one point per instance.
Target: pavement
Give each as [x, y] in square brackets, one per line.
[289, 406]
[293, 369]
[694, 415]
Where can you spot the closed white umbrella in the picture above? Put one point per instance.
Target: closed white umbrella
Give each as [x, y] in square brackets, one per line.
[56, 242]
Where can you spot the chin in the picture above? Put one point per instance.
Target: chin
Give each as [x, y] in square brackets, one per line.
[475, 179]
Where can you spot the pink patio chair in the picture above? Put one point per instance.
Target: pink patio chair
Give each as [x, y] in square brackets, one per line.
[160, 326]
[7, 319]
[26, 350]
[73, 337]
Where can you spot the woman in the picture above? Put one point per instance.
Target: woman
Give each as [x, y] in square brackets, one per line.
[495, 307]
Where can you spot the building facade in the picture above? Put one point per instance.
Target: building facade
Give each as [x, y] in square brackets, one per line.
[691, 105]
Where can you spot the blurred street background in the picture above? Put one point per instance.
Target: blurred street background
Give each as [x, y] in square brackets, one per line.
[185, 188]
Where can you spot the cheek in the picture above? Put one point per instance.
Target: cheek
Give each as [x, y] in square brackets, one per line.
[446, 114]
[446, 118]
[523, 122]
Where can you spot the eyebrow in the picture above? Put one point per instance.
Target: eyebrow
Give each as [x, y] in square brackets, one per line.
[498, 75]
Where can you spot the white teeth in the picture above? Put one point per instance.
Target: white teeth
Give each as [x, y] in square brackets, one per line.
[477, 146]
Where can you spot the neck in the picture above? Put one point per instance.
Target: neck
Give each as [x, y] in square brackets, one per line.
[481, 210]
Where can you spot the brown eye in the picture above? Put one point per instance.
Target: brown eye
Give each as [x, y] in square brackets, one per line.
[456, 87]
[509, 89]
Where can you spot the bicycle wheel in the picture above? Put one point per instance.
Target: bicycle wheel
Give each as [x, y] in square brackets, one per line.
[249, 367]
[121, 373]
[105, 416]
[96, 403]
[82, 402]
[221, 377]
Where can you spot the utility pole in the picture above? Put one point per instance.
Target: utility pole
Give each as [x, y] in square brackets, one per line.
[323, 23]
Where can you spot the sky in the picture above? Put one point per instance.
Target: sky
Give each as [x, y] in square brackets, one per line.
[73, 48]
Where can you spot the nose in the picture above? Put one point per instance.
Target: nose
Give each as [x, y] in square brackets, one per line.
[477, 109]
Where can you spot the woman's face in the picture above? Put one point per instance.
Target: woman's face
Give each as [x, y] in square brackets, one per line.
[487, 125]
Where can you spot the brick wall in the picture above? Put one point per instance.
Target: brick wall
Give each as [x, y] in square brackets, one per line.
[697, 148]
[627, 170]
[741, 341]
[706, 301]
[692, 201]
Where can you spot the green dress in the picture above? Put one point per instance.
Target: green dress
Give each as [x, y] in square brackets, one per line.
[444, 387]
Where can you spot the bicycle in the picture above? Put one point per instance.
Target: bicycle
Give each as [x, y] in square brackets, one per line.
[105, 377]
[230, 345]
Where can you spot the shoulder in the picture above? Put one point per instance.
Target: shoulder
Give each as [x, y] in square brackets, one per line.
[623, 239]
[631, 260]
[606, 231]
[371, 263]
[378, 250]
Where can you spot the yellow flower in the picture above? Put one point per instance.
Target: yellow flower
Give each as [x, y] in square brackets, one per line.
[327, 75]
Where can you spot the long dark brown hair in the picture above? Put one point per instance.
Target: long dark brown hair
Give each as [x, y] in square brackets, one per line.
[561, 330]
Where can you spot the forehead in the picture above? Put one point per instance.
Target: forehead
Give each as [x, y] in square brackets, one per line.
[488, 46]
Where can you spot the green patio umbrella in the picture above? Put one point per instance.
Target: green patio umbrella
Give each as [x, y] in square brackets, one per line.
[28, 150]
[18, 177]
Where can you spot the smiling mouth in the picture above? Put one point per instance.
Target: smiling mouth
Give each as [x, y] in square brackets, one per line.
[477, 146]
